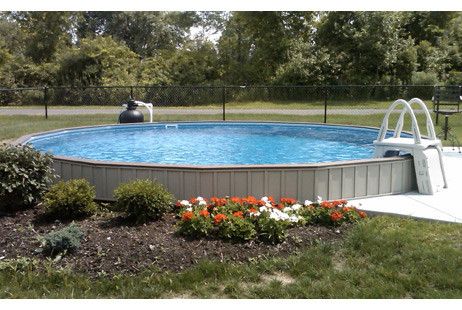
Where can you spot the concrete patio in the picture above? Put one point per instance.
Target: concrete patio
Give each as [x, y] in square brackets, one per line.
[445, 205]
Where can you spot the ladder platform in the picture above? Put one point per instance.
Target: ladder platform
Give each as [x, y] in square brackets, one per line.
[407, 142]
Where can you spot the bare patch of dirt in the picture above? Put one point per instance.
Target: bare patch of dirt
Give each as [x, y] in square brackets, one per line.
[111, 247]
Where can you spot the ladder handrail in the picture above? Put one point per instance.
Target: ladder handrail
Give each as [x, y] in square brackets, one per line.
[429, 121]
[406, 108]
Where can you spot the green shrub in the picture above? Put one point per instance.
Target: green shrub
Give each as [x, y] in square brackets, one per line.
[237, 229]
[424, 78]
[143, 200]
[194, 225]
[25, 175]
[454, 78]
[62, 241]
[70, 200]
[271, 230]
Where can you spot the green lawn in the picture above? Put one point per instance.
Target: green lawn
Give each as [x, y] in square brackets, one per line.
[384, 257]
[12, 127]
[249, 105]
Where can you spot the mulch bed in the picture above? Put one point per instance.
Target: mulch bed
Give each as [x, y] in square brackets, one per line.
[112, 246]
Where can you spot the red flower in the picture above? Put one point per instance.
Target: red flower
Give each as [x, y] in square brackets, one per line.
[236, 200]
[178, 204]
[289, 201]
[187, 216]
[252, 210]
[280, 206]
[327, 205]
[362, 214]
[251, 200]
[336, 216]
[346, 209]
[238, 214]
[204, 213]
[261, 203]
[219, 218]
[218, 202]
[193, 200]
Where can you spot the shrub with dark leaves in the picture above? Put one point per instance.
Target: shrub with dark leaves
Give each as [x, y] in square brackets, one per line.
[25, 175]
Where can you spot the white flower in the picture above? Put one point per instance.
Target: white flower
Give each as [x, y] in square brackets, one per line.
[263, 209]
[318, 199]
[265, 199]
[287, 209]
[256, 214]
[296, 206]
[268, 205]
[308, 202]
[274, 216]
[293, 218]
[202, 203]
[199, 198]
[185, 203]
[189, 209]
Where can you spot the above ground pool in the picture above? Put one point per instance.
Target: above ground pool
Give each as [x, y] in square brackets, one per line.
[191, 159]
[212, 143]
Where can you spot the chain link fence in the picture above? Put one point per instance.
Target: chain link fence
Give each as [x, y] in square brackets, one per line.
[340, 104]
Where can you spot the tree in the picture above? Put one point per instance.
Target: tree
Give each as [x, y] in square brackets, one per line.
[98, 61]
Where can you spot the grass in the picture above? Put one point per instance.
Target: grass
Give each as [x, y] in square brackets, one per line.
[383, 257]
[15, 126]
[244, 105]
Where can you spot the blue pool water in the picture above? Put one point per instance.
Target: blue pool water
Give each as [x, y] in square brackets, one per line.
[212, 143]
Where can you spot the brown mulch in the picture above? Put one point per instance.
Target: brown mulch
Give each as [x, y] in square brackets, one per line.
[111, 246]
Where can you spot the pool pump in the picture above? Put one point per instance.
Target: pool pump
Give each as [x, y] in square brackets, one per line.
[130, 114]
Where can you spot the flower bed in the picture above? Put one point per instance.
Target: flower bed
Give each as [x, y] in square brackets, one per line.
[243, 219]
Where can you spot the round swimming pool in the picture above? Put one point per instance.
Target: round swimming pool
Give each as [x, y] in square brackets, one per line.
[212, 143]
[299, 160]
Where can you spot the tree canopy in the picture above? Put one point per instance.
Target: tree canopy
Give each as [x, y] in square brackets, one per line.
[234, 48]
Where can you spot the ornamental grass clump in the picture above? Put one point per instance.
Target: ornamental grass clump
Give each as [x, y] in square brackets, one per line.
[247, 218]
[25, 175]
[143, 200]
[70, 200]
[62, 241]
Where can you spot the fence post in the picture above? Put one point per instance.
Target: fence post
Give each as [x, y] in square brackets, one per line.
[131, 92]
[325, 104]
[45, 100]
[224, 101]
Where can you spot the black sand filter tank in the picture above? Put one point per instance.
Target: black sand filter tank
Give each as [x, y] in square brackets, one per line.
[131, 114]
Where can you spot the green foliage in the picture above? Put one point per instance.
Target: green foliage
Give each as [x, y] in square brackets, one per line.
[62, 241]
[271, 230]
[143, 200]
[99, 61]
[237, 229]
[424, 78]
[72, 199]
[455, 78]
[196, 227]
[25, 175]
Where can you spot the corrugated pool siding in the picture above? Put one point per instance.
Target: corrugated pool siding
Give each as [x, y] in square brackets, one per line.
[350, 180]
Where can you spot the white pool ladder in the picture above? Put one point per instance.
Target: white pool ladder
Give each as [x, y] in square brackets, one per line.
[427, 152]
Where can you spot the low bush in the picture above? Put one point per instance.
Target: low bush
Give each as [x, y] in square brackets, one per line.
[62, 241]
[236, 228]
[195, 224]
[271, 230]
[143, 200]
[25, 175]
[72, 199]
